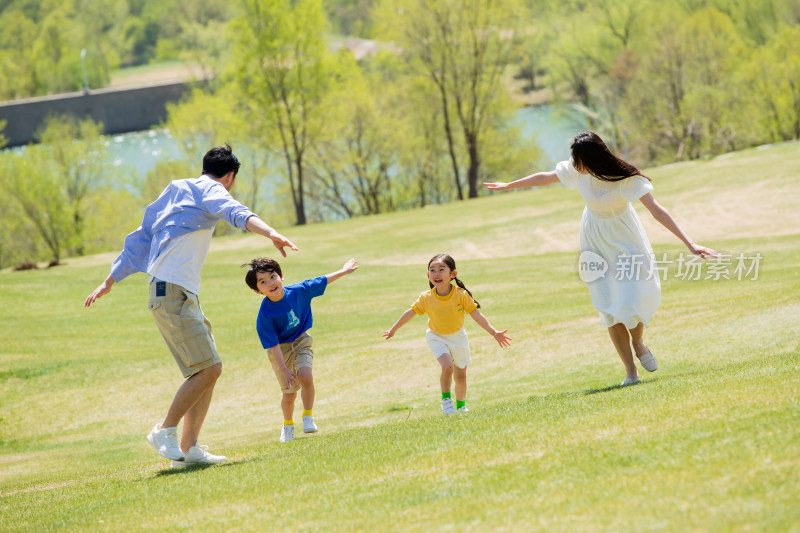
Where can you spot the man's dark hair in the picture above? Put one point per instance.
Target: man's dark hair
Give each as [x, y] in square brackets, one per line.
[262, 264]
[219, 161]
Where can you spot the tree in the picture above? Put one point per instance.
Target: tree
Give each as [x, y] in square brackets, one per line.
[53, 181]
[222, 122]
[280, 63]
[463, 48]
[685, 102]
[354, 162]
[773, 72]
[16, 41]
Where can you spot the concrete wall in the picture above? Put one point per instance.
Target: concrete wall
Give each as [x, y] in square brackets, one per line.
[120, 110]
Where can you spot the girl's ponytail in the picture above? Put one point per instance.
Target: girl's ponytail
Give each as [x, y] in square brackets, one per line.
[461, 284]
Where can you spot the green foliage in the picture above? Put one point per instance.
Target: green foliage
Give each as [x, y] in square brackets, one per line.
[462, 50]
[683, 105]
[281, 69]
[354, 162]
[59, 200]
[16, 68]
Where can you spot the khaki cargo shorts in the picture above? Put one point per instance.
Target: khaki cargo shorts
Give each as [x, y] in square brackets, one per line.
[185, 329]
[296, 355]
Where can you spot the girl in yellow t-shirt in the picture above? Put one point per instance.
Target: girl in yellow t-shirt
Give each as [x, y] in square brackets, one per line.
[446, 306]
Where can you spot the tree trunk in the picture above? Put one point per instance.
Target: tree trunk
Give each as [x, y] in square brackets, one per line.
[299, 203]
[474, 166]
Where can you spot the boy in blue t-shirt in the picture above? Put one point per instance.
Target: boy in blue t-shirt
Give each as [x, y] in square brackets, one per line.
[282, 325]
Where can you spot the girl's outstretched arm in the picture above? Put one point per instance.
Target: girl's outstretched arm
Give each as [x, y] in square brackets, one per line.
[500, 336]
[539, 179]
[662, 216]
[402, 321]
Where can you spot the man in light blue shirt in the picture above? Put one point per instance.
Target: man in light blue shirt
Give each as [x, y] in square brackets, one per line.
[171, 246]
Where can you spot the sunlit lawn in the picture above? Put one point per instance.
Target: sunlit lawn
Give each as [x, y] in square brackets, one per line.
[710, 442]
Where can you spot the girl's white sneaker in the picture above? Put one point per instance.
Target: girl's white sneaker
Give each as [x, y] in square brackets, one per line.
[463, 409]
[628, 381]
[447, 406]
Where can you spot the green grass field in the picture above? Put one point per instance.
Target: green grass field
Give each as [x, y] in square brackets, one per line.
[710, 442]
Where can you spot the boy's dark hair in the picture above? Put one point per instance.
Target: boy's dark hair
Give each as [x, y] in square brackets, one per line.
[262, 264]
[451, 264]
[219, 161]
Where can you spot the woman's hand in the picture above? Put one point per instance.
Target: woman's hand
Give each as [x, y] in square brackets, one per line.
[702, 251]
[495, 186]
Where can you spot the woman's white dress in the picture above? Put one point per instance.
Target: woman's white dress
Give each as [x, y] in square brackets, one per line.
[629, 291]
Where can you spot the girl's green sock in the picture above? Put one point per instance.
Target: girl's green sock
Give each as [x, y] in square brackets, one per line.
[445, 395]
[460, 404]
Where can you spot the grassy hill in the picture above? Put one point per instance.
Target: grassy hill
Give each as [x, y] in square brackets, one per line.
[707, 443]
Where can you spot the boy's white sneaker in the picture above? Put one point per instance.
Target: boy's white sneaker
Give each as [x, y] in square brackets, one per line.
[165, 441]
[198, 455]
[447, 406]
[287, 433]
[308, 424]
[463, 409]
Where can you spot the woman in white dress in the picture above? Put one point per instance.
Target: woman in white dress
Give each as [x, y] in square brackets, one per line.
[616, 262]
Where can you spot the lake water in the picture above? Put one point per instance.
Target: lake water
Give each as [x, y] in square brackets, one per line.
[551, 127]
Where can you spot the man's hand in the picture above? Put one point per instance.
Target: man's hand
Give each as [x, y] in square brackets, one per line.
[102, 290]
[281, 242]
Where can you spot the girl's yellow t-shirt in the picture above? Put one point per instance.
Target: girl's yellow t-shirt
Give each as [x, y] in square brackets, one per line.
[445, 313]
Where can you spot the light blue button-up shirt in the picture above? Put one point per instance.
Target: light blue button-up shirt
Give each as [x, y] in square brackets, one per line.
[184, 206]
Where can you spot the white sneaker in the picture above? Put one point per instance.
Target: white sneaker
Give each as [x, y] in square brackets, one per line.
[198, 455]
[287, 433]
[628, 381]
[447, 406]
[165, 441]
[463, 409]
[308, 424]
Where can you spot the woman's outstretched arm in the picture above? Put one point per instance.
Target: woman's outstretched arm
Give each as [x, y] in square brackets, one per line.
[665, 219]
[539, 179]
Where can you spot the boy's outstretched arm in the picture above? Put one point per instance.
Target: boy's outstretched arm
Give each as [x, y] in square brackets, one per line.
[500, 336]
[348, 268]
[276, 355]
[402, 321]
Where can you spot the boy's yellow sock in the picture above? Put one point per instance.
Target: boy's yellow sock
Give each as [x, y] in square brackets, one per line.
[288, 422]
[307, 412]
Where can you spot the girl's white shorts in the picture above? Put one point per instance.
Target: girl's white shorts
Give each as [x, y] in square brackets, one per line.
[456, 344]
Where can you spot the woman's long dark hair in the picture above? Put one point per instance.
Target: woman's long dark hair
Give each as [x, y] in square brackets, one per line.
[451, 264]
[590, 153]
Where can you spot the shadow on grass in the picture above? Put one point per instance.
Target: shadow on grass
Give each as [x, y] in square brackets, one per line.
[589, 392]
[195, 467]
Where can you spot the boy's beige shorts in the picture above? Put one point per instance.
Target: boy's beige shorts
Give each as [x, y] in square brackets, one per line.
[296, 355]
[185, 329]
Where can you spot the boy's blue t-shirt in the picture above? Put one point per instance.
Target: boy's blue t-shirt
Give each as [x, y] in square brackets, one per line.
[285, 320]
